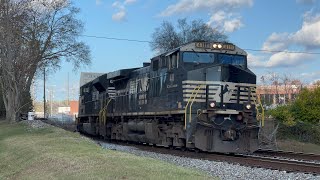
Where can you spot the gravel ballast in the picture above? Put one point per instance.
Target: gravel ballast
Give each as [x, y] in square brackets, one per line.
[36, 124]
[222, 170]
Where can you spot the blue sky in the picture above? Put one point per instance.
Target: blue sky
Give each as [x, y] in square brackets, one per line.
[272, 25]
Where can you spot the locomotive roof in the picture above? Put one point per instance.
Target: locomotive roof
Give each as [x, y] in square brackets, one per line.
[120, 73]
[198, 46]
[204, 46]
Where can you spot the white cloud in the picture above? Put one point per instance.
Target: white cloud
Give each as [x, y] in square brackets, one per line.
[284, 59]
[98, 2]
[306, 1]
[277, 42]
[311, 75]
[118, 4]
[185, 6]
[217, 17]
[119, 16]
[281, 59]
[223, 11]
[232, 25]
[129, 1]
[255, 61]
[307, 37]
[121, 13]
[227, 21]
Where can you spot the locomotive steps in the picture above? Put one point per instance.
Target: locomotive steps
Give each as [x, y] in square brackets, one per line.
[34, 150]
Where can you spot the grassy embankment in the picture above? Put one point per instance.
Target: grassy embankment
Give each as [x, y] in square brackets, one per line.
[288, 142]
[52, 153]
[296, 146]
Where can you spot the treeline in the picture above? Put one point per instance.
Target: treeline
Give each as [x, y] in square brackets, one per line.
[300, 120]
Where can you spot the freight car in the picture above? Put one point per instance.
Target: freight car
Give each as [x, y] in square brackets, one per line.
[199, 96]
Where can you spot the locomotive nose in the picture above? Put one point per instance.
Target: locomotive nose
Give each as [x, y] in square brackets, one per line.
[229, 73]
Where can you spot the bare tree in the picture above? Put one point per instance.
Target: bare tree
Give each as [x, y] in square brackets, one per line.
[35, 35]
[274, 78]
[166, 37]
[316, 83]
[286, 81]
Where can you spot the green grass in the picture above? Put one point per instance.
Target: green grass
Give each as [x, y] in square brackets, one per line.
[53, 153]
[296, 146]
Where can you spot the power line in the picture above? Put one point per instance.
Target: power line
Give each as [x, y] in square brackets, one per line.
[247, 49]
[274, 51]
[118, 39]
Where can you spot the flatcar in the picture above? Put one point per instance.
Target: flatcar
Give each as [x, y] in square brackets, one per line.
[201, 96]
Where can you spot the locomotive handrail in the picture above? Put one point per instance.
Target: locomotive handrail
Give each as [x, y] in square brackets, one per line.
[106, 111]
[103, 113]
[262, 113]
[185, 109]
[190, 107]
[262, 109]
[197, 88]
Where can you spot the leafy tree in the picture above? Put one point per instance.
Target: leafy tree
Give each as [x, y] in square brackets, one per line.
[301, 119]
[35, 35]
[283, 115]
[167, 37]
[306, 107]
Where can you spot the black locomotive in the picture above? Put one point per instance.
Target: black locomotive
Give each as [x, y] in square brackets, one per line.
[198, 96]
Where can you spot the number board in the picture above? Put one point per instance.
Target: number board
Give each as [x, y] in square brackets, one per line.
[222, 46]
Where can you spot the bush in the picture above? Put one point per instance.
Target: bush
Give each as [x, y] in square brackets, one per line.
[300, 120]
[306, 108]
[283, 114]
[301, 131]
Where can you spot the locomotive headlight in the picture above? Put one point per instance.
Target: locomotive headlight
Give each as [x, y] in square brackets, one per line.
[219, 46]
[214, 46]
[212, 104]
[248, 106]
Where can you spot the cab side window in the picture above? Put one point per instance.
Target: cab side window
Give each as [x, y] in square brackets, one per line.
[173, 61]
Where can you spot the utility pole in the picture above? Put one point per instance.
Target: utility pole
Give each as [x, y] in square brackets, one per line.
[68, 90]
[51, 91]
[44, 92]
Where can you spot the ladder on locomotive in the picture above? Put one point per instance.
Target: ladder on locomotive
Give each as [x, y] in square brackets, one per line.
[190, 102]
[257, 102]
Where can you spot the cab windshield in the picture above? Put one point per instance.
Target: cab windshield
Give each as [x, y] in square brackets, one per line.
[197, 57]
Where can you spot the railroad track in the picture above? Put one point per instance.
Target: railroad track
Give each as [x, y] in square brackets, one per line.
[289, 154]
[263, 158]
[288, 165]
[291, 165]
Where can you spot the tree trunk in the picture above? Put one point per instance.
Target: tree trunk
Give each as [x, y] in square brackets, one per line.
[11, 116]
[12, 101]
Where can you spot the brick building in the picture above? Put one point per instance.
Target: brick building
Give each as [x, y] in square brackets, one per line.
[74, 108]
[279, 94]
